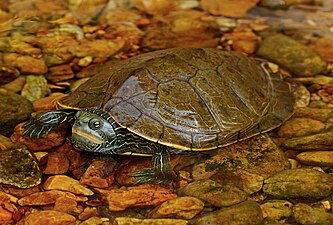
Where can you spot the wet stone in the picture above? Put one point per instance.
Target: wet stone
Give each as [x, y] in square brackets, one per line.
[291, 54]
[10, 113]
[315, 142]
[304, 214]
[65, 183]
[141, 195]
[214, 193]
[19, 167]
[301, 127]
[316, 158]
[180, 208]
[48, 217]
[244, 213]
[276, 209]
[35, 88]
[299, 183]
[135, 221]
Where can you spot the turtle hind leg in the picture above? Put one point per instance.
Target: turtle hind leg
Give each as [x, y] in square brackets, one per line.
[42, 123]
[160, 173]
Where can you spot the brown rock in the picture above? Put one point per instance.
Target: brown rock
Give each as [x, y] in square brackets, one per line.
[21, 192]
[48, 197]
[243, 40]
[57, 163]
[95, 221]
[135, 221]
[6, 217]
[27, 64]
[65, 204]
[321, 114]
[65, 183]
[48, 217]
[88, 212]
[100, 173]
[47, 103]
[324, 47]
[60, 73]
[180, 208]
[141, 195]
[296, 127]
[98, 48]
[305, 214]
[51, 140]
[76, 158]
[154, 7]
[316, 158]
[228, 7]
[315, 142]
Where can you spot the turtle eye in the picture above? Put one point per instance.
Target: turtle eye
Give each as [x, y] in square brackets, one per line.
[94, 124]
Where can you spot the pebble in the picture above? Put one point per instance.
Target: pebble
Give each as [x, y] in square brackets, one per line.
[47, 217]
[26, 64]
[98, 48]
[296, 127]
[141, 195]
[305, 214]
[35, 88]
[228, 8]
[299, 183]
[57, 163]
[315, 142]
[10, 113]
[316, 158]
[65, 183]
[276, 209]
[179, 208]
[16, 85]
[85, 61]
[247, 212]
[19, 167]
[135, 221]
[214, 193]
[60, 73]
[8, 75]
[291, 54]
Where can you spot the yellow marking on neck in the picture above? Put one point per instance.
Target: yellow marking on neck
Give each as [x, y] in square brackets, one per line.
[87, 136]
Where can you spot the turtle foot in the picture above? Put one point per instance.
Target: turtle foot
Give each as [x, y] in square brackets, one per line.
[149, 175]
[35, 130]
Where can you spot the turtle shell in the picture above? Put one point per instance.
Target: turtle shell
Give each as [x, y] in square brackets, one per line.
[188, 98]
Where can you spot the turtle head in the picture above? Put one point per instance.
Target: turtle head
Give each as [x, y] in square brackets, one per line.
[94, 131]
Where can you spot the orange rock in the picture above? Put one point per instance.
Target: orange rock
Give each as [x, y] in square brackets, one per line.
[51, 140]
[100, 173]
[60, 73]
[243, 40]
[141, 195]
[48, 197]
[76, 159]
[21, 192]
[96, 221]
[57, 163]
[5, 216]
[324, 47]
[65, 183]
[88, 212]
[229, 8]
[135, 221]
[47, 103]
[180, 208]
[27, 64]
[48, 217]
[64, 204]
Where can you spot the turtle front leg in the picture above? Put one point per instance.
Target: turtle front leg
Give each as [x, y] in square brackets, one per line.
[161, 172]
[43, 122]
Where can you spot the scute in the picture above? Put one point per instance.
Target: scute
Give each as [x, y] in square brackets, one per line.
[188, 98]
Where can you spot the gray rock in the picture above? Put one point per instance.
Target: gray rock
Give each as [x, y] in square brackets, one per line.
[292, 55]
[13, 110]
[245, 213]
[304, 214]
[299, 183]
[35, 87]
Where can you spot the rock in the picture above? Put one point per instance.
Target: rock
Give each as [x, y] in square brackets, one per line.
[26, 64]
[65, 183]
[276, 209]
[244, 213]
[135, 221]
[324, 47]
[100, 173]
[283, 4]
[299, 183]
[48, 217]
[214, 193]
[65, 204]
[315, 142]
[52, 139]
[154, 7]
[294, 56]
[60, 73]
[304, 214]
[35, 88]
[88, 212]
[98, 48]
[16, 85]
[180, 208]
[57, 163]
[8, 74]
[243, 40]
[228, 8]
[94, 221]
[141, 195]
[48, 197]
[296, 127]
[13, 110]
[19, 167]
[316, 158]
[314, 113]
[48, 103]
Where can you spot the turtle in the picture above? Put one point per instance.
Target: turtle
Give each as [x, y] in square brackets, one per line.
[165, 101]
